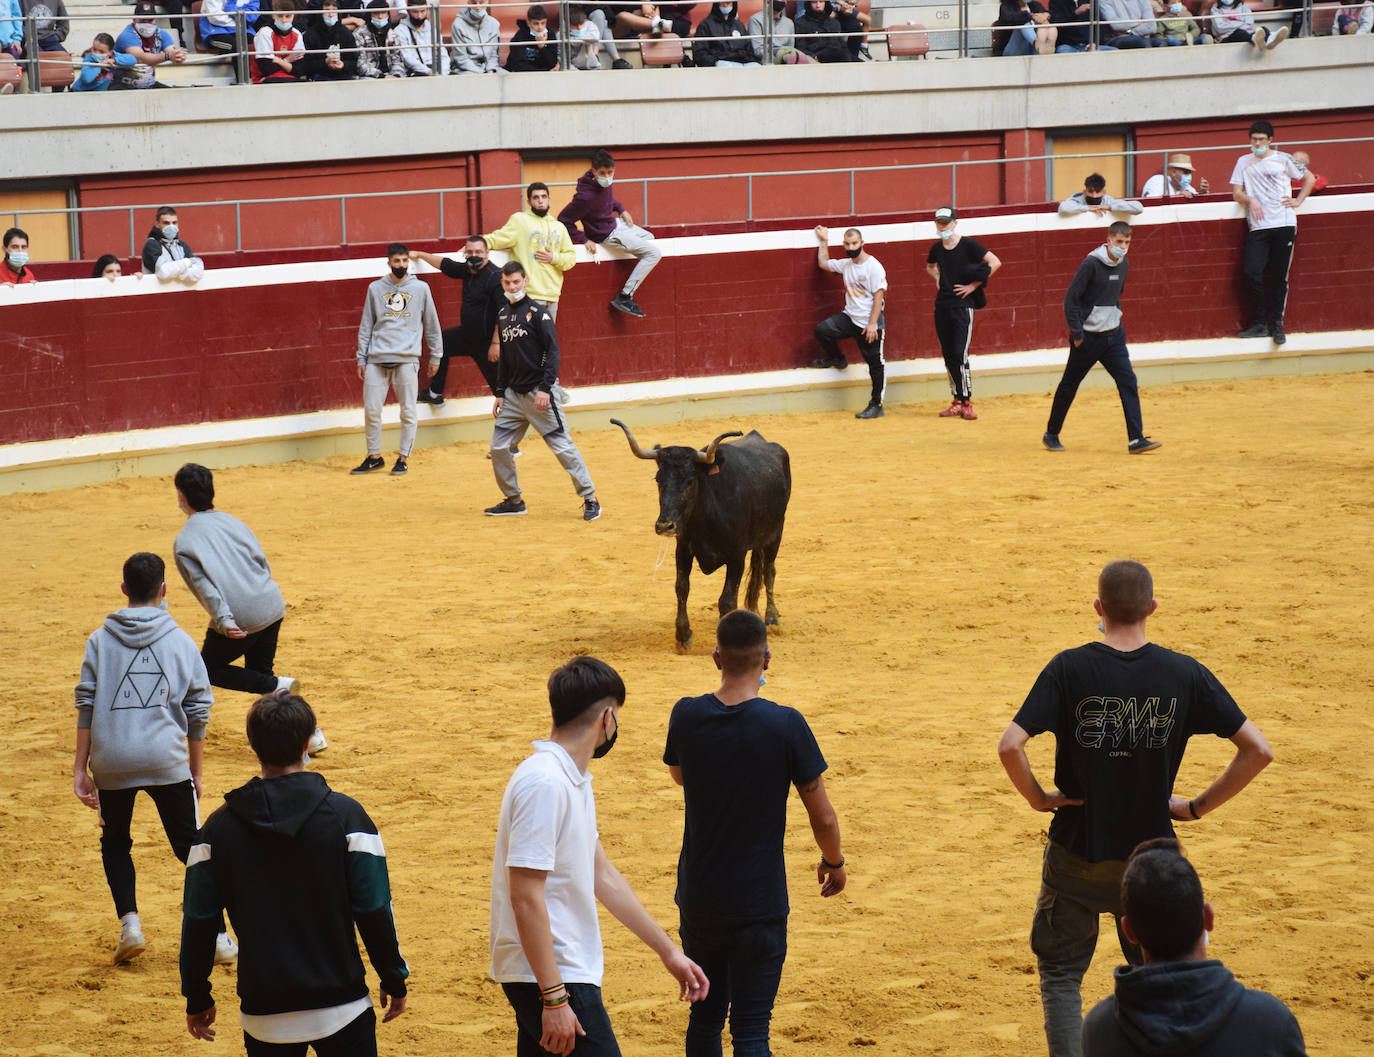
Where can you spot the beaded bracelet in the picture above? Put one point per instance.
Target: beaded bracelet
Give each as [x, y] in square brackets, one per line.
[832, 865]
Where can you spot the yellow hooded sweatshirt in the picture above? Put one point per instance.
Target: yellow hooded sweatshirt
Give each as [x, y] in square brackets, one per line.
[523, 234]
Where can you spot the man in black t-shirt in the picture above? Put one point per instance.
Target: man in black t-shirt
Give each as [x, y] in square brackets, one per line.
[961, 268]
[482, 299]
[736, 757]
[1122, 712]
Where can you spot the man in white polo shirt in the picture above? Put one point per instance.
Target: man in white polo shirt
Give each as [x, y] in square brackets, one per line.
[1262, 183]
[550, 870]
[865, 290]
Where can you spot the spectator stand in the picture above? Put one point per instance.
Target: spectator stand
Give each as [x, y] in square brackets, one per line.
[954, 29]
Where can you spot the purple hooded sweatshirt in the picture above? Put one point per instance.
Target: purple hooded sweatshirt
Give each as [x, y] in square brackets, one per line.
[595, 206]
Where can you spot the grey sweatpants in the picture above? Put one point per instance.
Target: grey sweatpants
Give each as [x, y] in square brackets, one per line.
[518, 414]
[404, 379]
[639, 244]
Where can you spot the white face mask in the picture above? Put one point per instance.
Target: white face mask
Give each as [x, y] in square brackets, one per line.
[513, 295]
[283, 27]
[604, 181]
[145, 29]
[330, 20]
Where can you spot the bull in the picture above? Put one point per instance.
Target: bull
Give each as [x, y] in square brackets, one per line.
[722, 502]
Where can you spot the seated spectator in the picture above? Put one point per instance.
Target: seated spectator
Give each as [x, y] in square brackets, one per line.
[376, 57]
[476, 40]
[165, 254]
[531, 50]
[218, 21]
[1353, 18]
[1094, 199]
[1177, 23]
[107, 267]
[331, 54]
[1304, 162]
[719, 40]
[1232, 23]
[50, 25]
[12, 29]
[596, 15]
[1130, 24]
[279, 47]
[653, 20]
[584, 41]
[1063, 15]
[150, 47]
[783, 31]
[98, 65]
[854, 23]
[414, 36]
[1176, 181]
[819, 35]
[15, 270]
[1030, 29]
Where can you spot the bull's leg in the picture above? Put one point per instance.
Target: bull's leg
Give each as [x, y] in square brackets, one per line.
[729, 595]
[770, 560]
[684, 585]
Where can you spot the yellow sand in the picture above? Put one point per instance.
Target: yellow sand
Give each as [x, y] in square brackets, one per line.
[929, 569]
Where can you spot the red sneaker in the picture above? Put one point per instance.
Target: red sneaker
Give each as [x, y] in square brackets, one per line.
[954, 410]
[966, 411]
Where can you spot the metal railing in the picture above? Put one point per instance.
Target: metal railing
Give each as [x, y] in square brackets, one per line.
[855, 205]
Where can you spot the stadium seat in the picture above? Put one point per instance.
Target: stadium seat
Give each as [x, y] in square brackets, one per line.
[907, 39]
[661, 51]
[10, 73]
[55, 69]
[1323, 18]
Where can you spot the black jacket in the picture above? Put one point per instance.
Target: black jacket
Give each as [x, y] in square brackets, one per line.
[529, 348]
[525, 55]
[1093, 300]
[830, 48]
[1189, 1009]
[155, 246]
[482, 300]
[719, 38]
[318, 39]
[297, 866]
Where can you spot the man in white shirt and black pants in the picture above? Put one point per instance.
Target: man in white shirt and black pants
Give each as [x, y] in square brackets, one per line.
[865, 290]
[1262, 183]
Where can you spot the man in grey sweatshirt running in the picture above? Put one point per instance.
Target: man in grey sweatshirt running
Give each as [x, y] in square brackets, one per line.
[398, 311]
[142, 707]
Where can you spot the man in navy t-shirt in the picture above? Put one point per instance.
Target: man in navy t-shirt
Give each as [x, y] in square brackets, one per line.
[1122, 711]
[736, 757]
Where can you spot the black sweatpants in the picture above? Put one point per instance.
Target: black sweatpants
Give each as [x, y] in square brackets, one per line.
[259, 652]
[357, 1038]
[458, 343]
[176, 806]
[1268, 249]
[954, 328]
[829, 332]
[1108, 349]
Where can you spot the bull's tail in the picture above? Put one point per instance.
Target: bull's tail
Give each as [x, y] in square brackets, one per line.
[756, 570]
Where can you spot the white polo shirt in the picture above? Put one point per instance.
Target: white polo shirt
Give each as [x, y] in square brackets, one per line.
[1269, 179]
[861, 284]
[548, 822]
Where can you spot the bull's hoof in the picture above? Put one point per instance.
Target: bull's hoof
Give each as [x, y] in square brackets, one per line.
[771, 620]
[683, 645]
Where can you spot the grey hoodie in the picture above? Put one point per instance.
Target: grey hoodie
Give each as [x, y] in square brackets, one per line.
[143, 693]
[1078, 203]
[395, 315]
[1093, 300]
[222, 563]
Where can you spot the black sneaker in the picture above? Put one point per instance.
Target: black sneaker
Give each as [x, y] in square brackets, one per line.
[1277, 334]
[1051, 441]
[621, 64]
[506, 508]
[431, 397]
[1141, 445]
[372, 462]
[626, 303]
[825, 361]
[399, 467]
[1254, 330]
[591, 510]
[871, 411]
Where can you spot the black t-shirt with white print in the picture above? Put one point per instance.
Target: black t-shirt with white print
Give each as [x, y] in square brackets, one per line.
[1121, 722]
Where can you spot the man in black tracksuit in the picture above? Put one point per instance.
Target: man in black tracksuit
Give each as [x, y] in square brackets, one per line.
[1092, 308]
[481, 301]
[298, 867]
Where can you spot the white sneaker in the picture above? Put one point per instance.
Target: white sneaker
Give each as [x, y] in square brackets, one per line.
[1280, 35]
[1258, 40]
[290, 685]
[317, 744]
[226, 950]
[131, 944]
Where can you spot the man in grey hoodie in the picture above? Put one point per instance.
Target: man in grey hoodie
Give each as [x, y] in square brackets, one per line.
[1180, 1001]
[142, 706]
[398, 310]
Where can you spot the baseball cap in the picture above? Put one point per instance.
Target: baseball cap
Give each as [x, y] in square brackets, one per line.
[946, 213]
[145, 9]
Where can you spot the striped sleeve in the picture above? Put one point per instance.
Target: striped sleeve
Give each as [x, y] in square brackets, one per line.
[200, 916]
[369, 893]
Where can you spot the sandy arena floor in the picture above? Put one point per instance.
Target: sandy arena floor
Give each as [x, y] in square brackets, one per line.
[930, 568]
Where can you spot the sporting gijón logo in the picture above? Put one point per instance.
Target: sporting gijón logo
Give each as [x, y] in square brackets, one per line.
[1124, 724]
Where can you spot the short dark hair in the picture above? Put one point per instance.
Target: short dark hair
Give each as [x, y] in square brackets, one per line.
[395, 248]
[1095, 182]
[602, 160]
[1125, 589]
[512, 268]
[197, 484]
[1263, 128]
[144, 573]
[279, 727]
[104, 38]
[538, 185]
[478, 238]
[576, 16]
[283, 5]
[536, 13]
[105, 259]
[581, 683]
[1118, 227]
[165, 211]
[741, 640]
[377, 5]
[15, 233]
[1161, 895]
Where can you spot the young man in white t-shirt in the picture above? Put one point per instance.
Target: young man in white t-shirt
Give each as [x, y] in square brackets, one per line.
[1262, 182]
[865, 290]
[550, 871]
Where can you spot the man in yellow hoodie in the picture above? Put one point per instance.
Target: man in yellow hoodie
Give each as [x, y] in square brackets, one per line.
[541, 244]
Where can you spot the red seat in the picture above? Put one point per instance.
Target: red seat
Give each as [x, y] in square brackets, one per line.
[661, 51]
[55, 69]
[907, 39]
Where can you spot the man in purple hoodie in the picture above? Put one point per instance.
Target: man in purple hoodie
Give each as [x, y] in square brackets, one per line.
[605, 222]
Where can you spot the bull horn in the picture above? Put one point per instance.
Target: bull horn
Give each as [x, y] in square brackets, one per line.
[634, 444]
[709, 455]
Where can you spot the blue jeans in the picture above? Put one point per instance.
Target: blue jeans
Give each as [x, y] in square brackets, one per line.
[1074, 893]
[1017, 44]
[1064, 49]
[586, 1004]
[1109, 349]
[744, 965]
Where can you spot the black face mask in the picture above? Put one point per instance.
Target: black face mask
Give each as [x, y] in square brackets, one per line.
[1093, 201]
[418, 21]
[475, 263]
[399, 273]
[851, 254]
[540, 212]
[606, 745]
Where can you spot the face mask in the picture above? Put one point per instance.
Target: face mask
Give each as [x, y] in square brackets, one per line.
[19, 258]
[1116, 253]
[1185, 180]
[604, 181]
[330, 20]
[851, 254]
[283, 27]
[170, 231]
[513, 295]
[779, 10]
[1259, 152]
[162, 605]
[399, 273]
[475, 263]
[728, 12]
[476, 14]
[540, 212]
[145, 29]
[417, 21]
[1175, 9]
[379, 23]
[1093, 200]
[947, 234]
[606, 745]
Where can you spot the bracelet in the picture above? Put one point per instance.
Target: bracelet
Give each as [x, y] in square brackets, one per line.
[833, 865]
[551, 990]
[558, 1003]
[1193, 811]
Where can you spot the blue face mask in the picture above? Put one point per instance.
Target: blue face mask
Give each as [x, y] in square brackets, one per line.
[1116, 253]
[947, 234]
[1186, 180]
[170, 231]
[379, 23]
[283, 27]
[330, 20]
[19, 258]
[1259, 152]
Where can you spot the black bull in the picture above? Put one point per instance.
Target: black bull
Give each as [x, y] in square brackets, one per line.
[722, 502]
